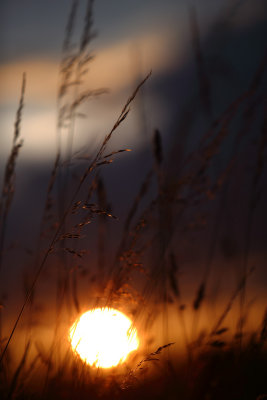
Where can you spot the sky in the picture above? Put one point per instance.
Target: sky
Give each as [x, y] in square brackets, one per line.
[132, 39]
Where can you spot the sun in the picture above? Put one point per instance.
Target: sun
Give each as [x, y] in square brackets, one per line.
[103, 337]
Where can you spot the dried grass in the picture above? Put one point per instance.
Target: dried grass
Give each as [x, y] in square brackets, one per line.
[144, 275]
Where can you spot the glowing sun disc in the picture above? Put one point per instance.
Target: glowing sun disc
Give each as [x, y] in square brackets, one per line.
[103, 337]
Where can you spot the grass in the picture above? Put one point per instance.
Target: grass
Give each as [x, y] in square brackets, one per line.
[183, 195]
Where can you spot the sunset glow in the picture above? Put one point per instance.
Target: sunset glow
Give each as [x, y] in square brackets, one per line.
[103, 337]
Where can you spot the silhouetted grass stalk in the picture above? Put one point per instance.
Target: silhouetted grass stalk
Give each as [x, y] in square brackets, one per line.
[96, 161]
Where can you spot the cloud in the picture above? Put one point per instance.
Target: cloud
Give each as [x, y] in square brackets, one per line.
[42, 76]
[116, 68]
[113, 67]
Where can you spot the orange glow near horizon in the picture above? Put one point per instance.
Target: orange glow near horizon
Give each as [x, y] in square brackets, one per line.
[103, 337]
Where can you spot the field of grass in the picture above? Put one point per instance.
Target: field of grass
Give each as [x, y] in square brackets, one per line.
[179, 262]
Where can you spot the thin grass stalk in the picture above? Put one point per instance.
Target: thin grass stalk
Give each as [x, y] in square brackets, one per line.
[9, 176]
[8, 188]
[162, 228]
[208, 153]
[201, 293]
[88, 170]
[131, 214]
[230, 303]
[85, 40]
[68, 60]
[204, 83]
[254, 198]
[71, 65]
[18, 371]
[102, 224]
[66, 66]
[178, 296]
[74, 290]
[249, 117]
